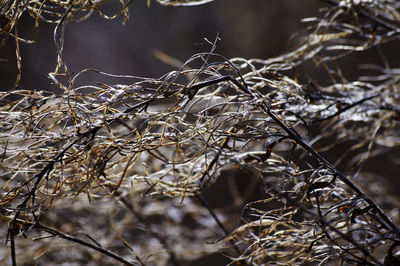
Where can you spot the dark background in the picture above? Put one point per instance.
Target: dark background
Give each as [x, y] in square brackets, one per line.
[247, 28]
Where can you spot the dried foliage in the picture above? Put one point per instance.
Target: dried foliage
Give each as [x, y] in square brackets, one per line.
[121, 168]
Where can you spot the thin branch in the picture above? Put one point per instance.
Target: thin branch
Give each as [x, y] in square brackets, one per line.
[100, 249]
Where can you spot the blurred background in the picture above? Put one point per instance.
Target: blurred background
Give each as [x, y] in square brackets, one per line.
[249, 29]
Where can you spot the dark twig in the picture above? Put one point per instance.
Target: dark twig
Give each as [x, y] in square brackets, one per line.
[293, 135]
[344, 109]
[12, 247]
[219, 223]
[59, 234]
[154, 234]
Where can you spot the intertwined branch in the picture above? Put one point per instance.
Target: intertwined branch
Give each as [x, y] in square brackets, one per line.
[143, 153]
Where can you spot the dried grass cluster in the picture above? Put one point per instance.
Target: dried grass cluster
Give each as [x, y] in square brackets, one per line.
[121, 168]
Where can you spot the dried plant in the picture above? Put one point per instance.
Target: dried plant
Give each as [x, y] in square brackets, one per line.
[55, 12]
[121, 168]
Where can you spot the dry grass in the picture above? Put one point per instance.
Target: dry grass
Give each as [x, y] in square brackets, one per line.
[121, 168]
